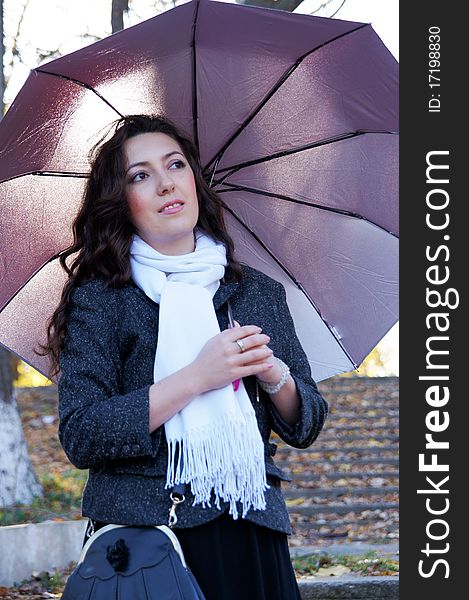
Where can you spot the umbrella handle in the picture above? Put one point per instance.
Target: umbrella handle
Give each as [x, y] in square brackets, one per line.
[231, 325]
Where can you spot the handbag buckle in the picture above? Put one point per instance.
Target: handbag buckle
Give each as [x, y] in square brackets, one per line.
[176, 499]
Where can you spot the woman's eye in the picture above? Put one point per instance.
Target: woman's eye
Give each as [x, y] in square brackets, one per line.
[138, 177]
[179, 164]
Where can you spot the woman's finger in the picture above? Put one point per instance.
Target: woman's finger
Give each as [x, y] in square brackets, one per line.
[255, 369]
[254, 355]
[257, 340]
[241, 332]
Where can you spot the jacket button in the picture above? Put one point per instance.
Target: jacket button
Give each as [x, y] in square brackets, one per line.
[126, 448]
[135, 447]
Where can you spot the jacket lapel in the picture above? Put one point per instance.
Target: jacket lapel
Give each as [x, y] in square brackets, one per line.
[224, 292]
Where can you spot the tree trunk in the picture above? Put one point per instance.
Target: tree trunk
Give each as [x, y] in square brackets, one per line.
[287, 5]
[18, 481]
[117, 14]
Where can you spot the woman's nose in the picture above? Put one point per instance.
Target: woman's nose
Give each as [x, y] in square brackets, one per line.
[165, 185]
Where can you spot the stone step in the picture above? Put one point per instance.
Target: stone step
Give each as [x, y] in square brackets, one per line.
[333, 396]
[377, 460]
[359, 427]
[342, 455]
[341, 491]
[356, 381]
[357, 398]
[352, 588]
[384, 394]
[360, 404]
[389, 415]
[338, 450]
[375, 535]
[333, 475]
[358, 410]
[330, 436]
[355, 387]
[342, 509]
[352, 387]
[345, 475]
[314, 524]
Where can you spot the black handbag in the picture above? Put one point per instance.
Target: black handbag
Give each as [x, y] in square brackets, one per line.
[132, 563]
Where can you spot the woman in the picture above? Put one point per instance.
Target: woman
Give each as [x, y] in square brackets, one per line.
[155, 385]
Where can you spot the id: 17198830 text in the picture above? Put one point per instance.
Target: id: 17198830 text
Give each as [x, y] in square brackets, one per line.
[434, 54]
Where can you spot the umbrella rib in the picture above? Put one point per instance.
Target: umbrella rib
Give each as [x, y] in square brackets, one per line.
[61, 174]
[345, 136]
[293, 279]
[274, 89]
[195, 108]
[47, 174]
[48, 261]
[80, 83]
[242, 188]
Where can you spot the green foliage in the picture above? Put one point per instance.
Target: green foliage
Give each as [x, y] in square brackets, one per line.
[308, 565]
[367, 564]
[45, 581]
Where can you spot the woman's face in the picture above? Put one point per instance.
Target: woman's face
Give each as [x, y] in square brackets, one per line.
[161, 193]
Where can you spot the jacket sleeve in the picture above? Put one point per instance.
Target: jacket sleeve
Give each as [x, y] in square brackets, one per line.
[313, 407]
[97, 422]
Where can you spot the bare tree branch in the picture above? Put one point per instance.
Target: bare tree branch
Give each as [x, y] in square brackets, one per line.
[334, 14]
[324, 5]
[14, 48]
[320, 7]
[15, 52]
[47, 54]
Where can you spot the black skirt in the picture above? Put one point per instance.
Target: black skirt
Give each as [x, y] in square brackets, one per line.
[236, 560]
[239, 560]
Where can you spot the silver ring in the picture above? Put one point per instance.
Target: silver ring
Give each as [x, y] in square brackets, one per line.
[241, 345]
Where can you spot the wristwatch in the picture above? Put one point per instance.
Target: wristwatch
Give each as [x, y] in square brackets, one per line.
[273, 388]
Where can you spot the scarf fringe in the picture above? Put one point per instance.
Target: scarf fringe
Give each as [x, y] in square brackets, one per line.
[226, 457]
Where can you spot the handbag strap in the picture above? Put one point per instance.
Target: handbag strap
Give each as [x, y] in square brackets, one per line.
[166, 530]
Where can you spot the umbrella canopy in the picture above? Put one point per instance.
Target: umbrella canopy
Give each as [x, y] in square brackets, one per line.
[295, 118]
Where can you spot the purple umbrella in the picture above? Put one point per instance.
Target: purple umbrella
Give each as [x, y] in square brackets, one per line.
[295, 118]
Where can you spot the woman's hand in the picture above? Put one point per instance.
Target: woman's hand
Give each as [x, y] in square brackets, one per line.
[273, 374]
[286, 400]
[221, 360]
[219, 363]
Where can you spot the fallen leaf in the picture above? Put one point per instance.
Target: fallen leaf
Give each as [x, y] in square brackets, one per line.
[294, 501]
[336, 570]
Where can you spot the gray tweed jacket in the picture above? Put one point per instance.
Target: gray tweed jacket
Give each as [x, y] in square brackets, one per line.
[106, 372]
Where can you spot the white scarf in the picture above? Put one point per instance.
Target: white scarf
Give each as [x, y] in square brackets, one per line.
[215, 437]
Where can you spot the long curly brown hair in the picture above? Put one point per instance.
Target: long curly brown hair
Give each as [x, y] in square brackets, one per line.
[103, 230]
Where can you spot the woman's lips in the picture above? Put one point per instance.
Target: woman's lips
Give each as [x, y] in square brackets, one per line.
[171, 208]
